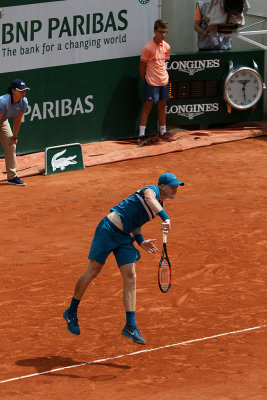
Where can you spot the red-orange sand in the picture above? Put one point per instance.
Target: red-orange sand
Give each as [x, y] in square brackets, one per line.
[217, 247]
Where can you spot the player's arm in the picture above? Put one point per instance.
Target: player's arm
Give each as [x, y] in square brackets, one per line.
[142, 69]
[145, 244]
[155, 205]
[197, 23]
[16, 126]
[198, 29]
[167, 56]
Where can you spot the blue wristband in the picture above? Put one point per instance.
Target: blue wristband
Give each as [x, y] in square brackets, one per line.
[163, 215]
[139, 238]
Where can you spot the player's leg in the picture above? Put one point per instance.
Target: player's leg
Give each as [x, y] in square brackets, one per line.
[162, 114]
[164, 96]
[100, 249]
[150, 95]
[145, 112]
[10, 154]
[126, 256]
[86, 277]
[129, 286]
[142, 141]
[130, 330]
[70, 314]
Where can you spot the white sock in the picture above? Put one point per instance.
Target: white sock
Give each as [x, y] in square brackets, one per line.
[162, 129]
[142, 130]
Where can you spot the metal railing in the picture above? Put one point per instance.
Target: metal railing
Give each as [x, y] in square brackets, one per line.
[241, 34]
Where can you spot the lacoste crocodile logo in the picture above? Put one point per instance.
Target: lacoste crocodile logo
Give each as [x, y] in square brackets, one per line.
[62, 162]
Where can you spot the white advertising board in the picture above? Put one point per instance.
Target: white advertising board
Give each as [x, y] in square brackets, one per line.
[74, 31]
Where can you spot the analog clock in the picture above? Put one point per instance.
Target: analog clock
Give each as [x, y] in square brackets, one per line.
[243, 87]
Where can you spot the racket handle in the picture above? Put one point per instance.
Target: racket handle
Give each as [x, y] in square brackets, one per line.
[164, 237]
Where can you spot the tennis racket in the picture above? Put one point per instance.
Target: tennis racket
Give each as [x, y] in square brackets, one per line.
[164, 269]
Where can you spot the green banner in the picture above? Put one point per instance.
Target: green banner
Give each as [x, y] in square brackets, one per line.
[81, 103]
[63, 158]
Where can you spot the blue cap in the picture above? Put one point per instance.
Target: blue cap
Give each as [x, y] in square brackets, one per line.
[169, 179]
[19, 85]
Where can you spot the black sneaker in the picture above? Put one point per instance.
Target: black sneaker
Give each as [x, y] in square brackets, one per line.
[16, 181]
[167, 137]
[142, 141]
[72, 322]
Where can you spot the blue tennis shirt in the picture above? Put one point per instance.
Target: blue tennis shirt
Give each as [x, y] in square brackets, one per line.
[134, 211]
[10, 110]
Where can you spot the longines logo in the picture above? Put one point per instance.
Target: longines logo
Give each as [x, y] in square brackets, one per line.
[191, 111]
[192, 66]
[144, 1]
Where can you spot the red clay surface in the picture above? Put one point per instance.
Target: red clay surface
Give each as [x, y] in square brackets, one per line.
[217, 247]
[106, 152]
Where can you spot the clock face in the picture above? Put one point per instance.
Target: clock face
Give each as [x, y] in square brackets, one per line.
[243, 88]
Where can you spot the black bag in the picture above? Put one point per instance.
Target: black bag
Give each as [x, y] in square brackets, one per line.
[233, 6]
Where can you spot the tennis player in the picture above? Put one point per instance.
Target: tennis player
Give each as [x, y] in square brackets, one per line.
[116, 233]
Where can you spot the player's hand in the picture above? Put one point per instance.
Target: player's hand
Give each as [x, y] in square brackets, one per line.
[148, 246]
[13, 140]
[166, 226]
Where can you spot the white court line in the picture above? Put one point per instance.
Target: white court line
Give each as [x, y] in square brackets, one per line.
[135, 353]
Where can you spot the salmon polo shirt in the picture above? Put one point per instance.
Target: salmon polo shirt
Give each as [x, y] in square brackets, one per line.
[156, 55]
[197, 14]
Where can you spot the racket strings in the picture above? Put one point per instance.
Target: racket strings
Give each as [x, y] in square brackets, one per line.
[164, 275]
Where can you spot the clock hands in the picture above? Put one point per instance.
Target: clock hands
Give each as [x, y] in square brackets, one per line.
[244, 93]
[243, 82]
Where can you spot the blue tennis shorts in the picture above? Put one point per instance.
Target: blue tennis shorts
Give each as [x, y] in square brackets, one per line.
[156, 93]
[108, 238]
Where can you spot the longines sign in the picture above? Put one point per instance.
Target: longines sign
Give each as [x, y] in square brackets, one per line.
[191, 111]
[191, 67]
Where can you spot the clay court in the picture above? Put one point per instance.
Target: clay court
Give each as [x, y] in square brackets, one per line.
[206, 338]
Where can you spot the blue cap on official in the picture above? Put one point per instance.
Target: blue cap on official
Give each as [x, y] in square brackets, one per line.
[19, 85]
[169, 179]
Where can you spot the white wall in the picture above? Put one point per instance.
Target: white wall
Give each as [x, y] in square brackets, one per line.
[183, 38]
[179, 15]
